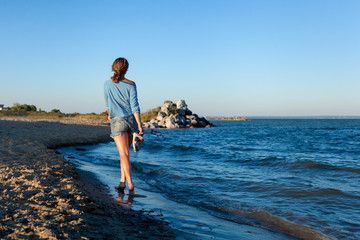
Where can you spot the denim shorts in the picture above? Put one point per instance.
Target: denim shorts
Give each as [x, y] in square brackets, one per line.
[120, 125]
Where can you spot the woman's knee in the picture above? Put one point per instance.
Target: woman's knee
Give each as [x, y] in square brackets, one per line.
[124, 155]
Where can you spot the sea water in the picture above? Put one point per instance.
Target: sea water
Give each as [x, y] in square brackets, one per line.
[298, 177]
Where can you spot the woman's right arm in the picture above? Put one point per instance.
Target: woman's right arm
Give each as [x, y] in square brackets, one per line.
[109, 118]
[107, 102]
[106, 96]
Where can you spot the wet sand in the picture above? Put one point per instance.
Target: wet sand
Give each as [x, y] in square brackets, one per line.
[45, 197]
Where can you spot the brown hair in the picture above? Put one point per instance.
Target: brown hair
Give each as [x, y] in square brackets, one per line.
[120, 67]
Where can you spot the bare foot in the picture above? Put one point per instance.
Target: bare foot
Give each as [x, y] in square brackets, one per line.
[132, 191]
[121, 186]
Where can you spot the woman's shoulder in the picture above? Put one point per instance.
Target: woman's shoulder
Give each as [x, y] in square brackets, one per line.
[129, 81]
[107, 83]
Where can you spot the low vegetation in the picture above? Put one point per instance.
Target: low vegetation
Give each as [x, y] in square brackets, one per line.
[152, 113]
[25, 110]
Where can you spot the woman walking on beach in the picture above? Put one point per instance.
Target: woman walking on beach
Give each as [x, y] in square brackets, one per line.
[124, 116]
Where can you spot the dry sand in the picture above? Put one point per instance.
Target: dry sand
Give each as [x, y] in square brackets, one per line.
[45, 197]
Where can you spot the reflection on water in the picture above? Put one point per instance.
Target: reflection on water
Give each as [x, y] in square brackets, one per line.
[130, 199]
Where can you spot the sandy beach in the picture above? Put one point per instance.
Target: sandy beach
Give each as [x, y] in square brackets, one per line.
[45, 197]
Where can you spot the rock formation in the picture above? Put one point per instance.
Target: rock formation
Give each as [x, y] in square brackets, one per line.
[177, 115]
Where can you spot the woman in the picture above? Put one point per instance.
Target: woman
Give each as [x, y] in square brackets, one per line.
[124, 116]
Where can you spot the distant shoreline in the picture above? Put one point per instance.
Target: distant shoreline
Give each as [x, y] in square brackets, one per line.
[306, 117]
[231, 119]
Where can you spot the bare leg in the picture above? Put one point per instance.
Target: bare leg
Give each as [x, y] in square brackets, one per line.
[122, 179]
[122, 143]
[122, 184]
[130, 138]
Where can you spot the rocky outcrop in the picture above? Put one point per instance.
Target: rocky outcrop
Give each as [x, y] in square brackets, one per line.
[177, 115]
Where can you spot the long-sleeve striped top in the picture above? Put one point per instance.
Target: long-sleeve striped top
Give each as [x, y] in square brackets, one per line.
[121, 98]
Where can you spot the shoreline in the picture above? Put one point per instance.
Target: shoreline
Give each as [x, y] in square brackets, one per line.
[44, 196]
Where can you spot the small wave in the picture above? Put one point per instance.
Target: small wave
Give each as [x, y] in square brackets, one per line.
[183, 148]
[317, 193]
[267, 161]
[265, 220]
[205, 179]
[151, 170]
[273, 161]
[144, 167]
[311, 164]
[235, 148]
[94, 160]
[249, 149]
[153, 146]
[328, 128]
[212, 155]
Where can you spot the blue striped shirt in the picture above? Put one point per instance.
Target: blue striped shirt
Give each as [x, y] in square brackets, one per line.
[121, 98]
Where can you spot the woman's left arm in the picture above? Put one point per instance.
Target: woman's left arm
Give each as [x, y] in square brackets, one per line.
[138, 121]
[136, 109]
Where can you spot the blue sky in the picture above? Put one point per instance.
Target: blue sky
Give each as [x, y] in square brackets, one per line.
[247, 58]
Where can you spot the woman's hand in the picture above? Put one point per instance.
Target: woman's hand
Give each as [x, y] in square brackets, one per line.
[141, 130]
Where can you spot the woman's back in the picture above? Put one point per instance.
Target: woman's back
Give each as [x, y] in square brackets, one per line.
[121, 98]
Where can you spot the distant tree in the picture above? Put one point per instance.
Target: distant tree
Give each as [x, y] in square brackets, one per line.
[55, 111]
[23, 107]
[31, 108]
